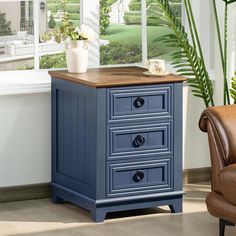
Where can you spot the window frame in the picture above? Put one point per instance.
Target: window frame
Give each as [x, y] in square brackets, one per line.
[144, 39]
[89, 9]
[88, 15]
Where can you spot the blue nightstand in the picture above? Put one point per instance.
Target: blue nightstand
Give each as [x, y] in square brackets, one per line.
[116, 140]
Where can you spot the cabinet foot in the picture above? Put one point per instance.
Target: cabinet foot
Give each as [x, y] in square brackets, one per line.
[177, 206]
[56, 199]
[98, 215]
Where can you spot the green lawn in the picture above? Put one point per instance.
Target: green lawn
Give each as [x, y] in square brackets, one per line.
[76, 22]
[132, 34]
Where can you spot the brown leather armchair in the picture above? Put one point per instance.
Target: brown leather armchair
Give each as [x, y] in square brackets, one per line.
[220, 124]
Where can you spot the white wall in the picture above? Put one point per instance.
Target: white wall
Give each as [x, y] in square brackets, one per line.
[195, 143]
[196, 151]
[25, 139]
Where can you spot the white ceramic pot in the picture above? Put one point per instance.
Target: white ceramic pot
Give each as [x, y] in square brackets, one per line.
[77, 56]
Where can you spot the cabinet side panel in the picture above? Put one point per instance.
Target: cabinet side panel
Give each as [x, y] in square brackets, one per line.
[71, 130]
[74, 121]
[178, 110]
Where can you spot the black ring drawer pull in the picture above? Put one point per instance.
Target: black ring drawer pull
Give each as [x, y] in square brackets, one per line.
[138, 141]
[138, 102]
[138, 176]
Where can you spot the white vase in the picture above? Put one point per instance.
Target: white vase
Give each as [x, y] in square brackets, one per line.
[77, 56]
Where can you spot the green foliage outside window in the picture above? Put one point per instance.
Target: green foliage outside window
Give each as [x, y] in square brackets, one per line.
[5, 26]
[52, 23]
[53, 61]
[125, 53]
[135, 18]
[105, 9]
[135, 6]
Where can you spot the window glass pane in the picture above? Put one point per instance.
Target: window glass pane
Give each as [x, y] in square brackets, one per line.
[158, 49]
[16, 35]
[22, 11]
[120, 32]
[52, 52]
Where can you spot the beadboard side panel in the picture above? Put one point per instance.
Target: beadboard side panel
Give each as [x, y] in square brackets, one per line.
[74, 137]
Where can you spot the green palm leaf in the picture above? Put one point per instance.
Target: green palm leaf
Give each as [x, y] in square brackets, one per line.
[229, 1]
[187, 60]
[233, 88]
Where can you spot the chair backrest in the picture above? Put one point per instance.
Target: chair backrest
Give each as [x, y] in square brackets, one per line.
[220, 124]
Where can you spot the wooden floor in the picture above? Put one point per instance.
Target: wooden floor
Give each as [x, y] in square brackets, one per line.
[42, 218]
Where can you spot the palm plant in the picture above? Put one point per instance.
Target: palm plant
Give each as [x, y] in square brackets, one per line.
[223, 47]
[189, 61]
[233, 88]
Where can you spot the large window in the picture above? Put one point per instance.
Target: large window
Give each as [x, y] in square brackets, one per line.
[128, 31]
[18, 26]
[52, 53]
[121, 39]
[120, 33]
[16, 35]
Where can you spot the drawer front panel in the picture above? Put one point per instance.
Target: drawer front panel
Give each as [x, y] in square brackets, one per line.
[143, 102]
[140, 139]
[139, 177]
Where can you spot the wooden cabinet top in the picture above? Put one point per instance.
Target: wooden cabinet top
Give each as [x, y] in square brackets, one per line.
[115, 77]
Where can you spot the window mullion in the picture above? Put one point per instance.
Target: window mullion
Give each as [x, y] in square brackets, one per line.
[90, 17]
[144, 30]
[36, 34]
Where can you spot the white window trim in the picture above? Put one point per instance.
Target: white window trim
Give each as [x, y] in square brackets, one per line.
[144, 31]
[24, 82]
[36, 34]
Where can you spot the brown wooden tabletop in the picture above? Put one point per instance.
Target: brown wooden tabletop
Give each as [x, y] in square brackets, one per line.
[115, 77]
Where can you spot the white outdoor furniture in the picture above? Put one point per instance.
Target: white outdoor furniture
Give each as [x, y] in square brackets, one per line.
[22, 44]
[2, 47]
[14, 44]
[19, 50]
[25, 49]
[19, 36]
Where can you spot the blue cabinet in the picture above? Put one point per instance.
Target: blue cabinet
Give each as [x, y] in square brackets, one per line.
[116, 147]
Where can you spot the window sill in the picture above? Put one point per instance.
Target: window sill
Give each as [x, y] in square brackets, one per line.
[24, 83]
[29, 82]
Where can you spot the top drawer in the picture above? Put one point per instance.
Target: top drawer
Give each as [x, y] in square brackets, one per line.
[140, 102]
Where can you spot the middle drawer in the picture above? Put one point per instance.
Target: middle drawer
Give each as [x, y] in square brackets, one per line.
[132, 140]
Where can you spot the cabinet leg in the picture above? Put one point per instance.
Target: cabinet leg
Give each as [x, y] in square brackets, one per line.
[177, 206]
[98, 215]
[55, 199]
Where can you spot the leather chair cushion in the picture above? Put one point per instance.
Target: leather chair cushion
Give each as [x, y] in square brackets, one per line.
[220, 208]
[227, 178]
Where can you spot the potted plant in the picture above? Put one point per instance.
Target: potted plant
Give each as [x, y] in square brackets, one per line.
[76, 44]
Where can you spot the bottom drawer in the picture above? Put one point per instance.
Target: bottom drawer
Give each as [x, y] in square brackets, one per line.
[140, 177]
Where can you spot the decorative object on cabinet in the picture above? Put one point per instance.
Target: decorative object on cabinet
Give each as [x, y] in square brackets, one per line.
[116, 140]
[77, 44]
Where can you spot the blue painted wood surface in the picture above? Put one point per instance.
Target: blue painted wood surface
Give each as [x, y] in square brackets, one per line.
[117, 148]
